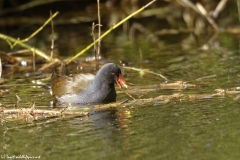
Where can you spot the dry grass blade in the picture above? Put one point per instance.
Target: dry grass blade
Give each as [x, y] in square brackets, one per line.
[30, 114]
[12, 41]
[52, 27]
[238, 6]
[9, 58]
[99, 35]
[24, 45]
[0, 67]
[1, 79]
[196, 8]
[219, 7]
[146, 71]
[55, 62]
[36, 32]
[108, 31]
[42, 113]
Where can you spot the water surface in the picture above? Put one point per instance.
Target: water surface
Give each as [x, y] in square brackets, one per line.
[205, 128]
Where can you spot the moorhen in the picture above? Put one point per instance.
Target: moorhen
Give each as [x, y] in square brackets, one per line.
[79, 90]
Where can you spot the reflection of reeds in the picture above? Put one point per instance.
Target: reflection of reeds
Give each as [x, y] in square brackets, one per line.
[109, 30]
[201, 10]
[162, 12]
[0, 67]
[238, 6]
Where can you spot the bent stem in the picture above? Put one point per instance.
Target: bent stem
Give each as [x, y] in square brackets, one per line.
[108, 31]
[12, 41]
[24, 45]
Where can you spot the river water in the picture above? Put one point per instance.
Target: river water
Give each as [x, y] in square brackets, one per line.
[205, 127]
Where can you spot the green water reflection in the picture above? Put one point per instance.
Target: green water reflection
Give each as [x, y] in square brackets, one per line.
[180, 129]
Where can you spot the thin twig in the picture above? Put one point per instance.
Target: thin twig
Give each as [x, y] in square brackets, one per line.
[3, 120]
[18, 98]
[55, 62]
[108, 31]
[128, 94]
[94, 48]
[204, 13]
[44, 113]
[0, 67]
[36, 32]
[34, 62]
[126, 100]
[191, 5]
[219, 7]
[12, 41]
[99, 35]
[238, 6]
[151, 72]
[52, 26]
[24, 45]
[9, 58]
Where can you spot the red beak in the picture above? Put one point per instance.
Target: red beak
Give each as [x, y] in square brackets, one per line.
[121, 82]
